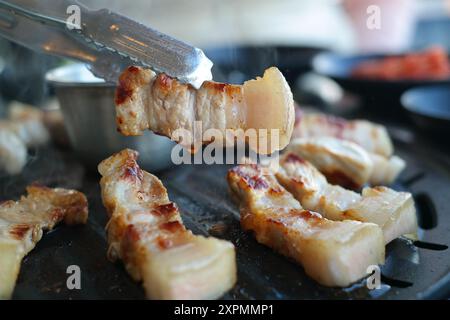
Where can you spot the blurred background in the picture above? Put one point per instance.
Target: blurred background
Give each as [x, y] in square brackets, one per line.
[320, 24]
[323, 23]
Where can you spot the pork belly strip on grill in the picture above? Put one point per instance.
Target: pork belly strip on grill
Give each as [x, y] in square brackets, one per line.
[27, 123]
[393, 211]
[345, 163]
[145, 100]
[372, 137]
[22, 223]
[385, 170]
[23, 128]
[334, 253]
[146, 232]
[13, 152]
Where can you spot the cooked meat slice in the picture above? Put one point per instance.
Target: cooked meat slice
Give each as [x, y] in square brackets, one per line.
[22, 223]
[371, 137]
[342, 162]
[146, 232]
[145, 100]
[24, 128]
[13, 152]
[334, 253]
[345, 163]
[393, 211]
[385, 170]
[27, 123]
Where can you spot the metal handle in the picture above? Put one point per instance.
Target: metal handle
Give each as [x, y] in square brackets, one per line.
[147, 46]
[106, 40]
[21, 23]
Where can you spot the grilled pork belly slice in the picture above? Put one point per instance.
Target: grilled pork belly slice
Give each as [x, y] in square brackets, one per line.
[345, 163]
[146, 232]
[385, 170]
[145, 100]
[393, 211]
[342, 162]
[22, 223]
[334, 253]
[13, 152]
[23, 128]
[27, 123]
[372, 137]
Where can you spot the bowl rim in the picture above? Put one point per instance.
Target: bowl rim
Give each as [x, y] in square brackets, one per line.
[414, 108]
[56, 77]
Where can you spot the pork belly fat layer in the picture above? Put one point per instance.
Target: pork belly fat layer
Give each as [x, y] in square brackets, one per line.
[393, 211]
[146, 232]
[345, 163]
[342, 162]
[145, 100]
[334, 253]
[22, 223]
[372, 137]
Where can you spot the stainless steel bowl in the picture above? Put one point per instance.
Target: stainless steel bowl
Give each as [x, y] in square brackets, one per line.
[87, 104]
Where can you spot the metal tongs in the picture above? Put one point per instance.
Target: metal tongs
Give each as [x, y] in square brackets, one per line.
[105, 40]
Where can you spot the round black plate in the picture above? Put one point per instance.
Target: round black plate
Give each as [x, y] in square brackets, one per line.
[429, 107]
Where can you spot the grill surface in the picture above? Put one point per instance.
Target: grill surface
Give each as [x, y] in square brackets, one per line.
[420, 270]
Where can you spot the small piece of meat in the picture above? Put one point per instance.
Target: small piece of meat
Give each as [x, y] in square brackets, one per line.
[23, 128]
[13, 152]
[393, 211]
[27, 123]
[145, 100]
[22, 223]
[146, 232]
[345, 163]
[372, 137]
[385, 170]
[342, 162]
[334, 253]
